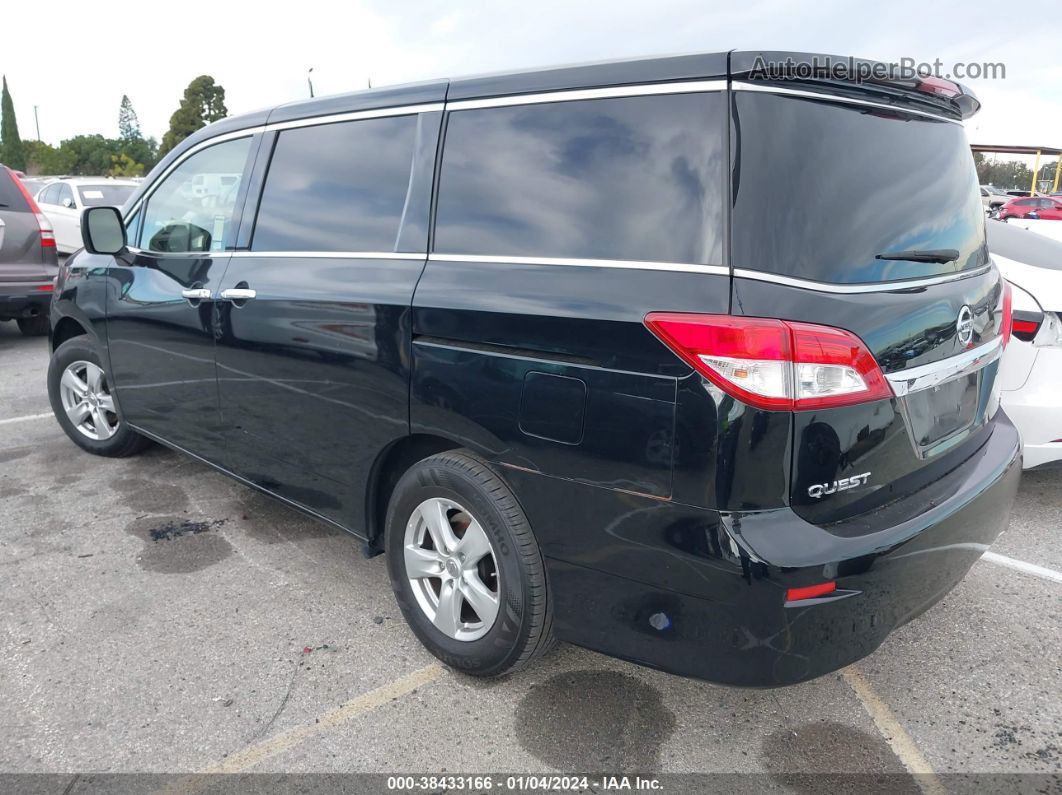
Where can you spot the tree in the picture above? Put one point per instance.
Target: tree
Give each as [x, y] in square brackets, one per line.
[42, 158]
[11, 152]
[128, 123]
[89, 155]
[1005, 174]
[125, 166]
[203, 103]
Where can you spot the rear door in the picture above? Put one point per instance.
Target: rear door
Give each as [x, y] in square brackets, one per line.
[813, 213]
[159, 302]
[313, 358]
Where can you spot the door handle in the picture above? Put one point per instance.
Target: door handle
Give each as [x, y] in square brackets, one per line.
[238, 294]
[193, 294]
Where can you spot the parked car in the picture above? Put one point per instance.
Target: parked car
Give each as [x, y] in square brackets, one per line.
[992, 197]
[1043, 207]
[35, 184]
[1019, 193]
[1031, 373]
[63, 200]
[522, 335]
[27, 257]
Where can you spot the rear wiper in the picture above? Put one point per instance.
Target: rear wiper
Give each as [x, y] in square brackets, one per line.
[940, 255]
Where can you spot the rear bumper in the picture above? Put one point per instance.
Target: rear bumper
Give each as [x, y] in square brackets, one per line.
[25, 299]
[729, 623]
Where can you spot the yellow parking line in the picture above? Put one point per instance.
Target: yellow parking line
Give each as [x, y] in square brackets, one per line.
[367, 702]
[899, 740]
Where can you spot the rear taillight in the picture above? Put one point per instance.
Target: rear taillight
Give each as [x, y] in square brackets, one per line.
[47, 233]
[1008, 313]
[774, 364]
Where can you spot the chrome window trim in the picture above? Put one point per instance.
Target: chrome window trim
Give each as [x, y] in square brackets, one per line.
[576, 94]
[355, 115]
[333, 254]
[869, 287]
[926, 376]
[678, 267]
[742, 85]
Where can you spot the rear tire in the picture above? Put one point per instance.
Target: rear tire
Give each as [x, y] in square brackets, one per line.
[490, 543]
[74, 359]
[33, 326]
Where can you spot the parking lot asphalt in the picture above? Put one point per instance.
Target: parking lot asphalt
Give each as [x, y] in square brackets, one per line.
[159, 617]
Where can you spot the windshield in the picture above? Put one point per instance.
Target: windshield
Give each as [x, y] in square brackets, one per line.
[105, 195]
[821, 189]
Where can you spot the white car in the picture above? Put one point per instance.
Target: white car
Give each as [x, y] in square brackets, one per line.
[63, 200]
[1031, 371]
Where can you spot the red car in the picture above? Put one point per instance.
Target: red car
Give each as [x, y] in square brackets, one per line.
[1045, 207]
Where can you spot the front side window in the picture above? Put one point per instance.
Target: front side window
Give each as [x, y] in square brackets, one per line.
[631, 178]
[337, 187]
[65, 195]
[192, 210]
[50, 195]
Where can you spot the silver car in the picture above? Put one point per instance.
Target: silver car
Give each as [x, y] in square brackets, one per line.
[28, 259]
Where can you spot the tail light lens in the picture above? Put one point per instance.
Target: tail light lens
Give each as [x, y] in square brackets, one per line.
[47, 233]
[1007, 326]
[938, 86]
[774, 364]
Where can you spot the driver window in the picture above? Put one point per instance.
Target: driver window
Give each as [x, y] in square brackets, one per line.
[191, 211]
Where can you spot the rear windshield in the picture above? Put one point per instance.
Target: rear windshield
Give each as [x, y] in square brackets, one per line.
[11, 197]
[821, 188]
[105, 195]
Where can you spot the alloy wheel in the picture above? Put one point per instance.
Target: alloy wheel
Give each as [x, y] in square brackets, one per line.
[451, 567]
[87, 401]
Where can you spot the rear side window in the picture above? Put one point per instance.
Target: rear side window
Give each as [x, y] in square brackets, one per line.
[632, 178]
[821, 188]
[11, 197]
[337, 187]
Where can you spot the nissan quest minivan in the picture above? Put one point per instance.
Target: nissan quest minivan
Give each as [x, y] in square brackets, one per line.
[665, 358]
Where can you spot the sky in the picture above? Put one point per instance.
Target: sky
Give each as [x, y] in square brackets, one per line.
[76, 63]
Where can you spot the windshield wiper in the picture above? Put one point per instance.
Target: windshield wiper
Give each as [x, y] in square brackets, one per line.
[940, 255]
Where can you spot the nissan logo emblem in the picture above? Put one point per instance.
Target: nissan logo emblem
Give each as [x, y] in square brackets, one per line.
[964, 325]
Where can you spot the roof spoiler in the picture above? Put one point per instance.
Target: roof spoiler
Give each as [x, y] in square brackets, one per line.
[898, 84]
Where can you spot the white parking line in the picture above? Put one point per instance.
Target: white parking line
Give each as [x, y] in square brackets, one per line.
[898, 739]
[27, 418]
[1021, 565]
[367, 702]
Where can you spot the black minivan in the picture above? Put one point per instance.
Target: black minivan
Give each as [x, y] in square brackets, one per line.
[667, 358]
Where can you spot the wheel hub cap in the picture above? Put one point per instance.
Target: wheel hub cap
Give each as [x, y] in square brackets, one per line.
[452, 570]
[87, 401]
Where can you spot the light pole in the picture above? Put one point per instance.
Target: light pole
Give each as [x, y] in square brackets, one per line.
[37, 122]
[309, 80]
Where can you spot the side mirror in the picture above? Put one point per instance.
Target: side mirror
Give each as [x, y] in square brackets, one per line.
[102, 230]
[68, 202]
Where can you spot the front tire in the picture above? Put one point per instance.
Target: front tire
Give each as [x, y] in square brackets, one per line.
[465, 567]
[83, 403]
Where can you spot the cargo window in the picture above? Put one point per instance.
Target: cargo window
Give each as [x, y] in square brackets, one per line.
[337, 187]
[822, 188]
[633, 178]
